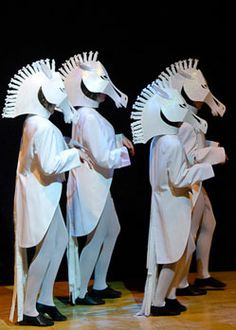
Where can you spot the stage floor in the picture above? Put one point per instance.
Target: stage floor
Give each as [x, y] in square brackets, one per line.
[215, 310]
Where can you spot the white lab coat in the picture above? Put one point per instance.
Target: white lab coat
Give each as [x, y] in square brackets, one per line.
[87, 189]
[171, 180]
[171, 206]
[43, 158]
[199, 150]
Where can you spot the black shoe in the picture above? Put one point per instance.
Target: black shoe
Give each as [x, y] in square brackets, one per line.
[190, 290]
[106, 293]
[175, 305]
[89, 300]
[51, 311]
[163, 311]
[209, 282]
[38, 321]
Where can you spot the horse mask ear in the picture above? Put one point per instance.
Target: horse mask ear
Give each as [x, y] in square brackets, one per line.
[184, 74]
[85, 67]
[162, 93]
[45, 68]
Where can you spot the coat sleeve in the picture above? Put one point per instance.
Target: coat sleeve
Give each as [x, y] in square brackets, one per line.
[103, 145]
[180, 174]
[210, 143]
[51, 156]
[211, 153]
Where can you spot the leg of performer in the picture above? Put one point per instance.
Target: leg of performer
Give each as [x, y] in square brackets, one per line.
[100, 286]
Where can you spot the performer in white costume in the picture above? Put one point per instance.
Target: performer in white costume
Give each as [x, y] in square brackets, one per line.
[36, 91]
[188, 79]
[90, 207]
[159, 111]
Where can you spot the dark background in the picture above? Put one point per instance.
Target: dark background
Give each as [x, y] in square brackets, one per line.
[135, 45]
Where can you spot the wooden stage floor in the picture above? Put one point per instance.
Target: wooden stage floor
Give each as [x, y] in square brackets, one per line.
[215, 310]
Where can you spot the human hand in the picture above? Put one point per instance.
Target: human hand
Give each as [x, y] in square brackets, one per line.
[129, 145]
[85, 158]
[74, 144]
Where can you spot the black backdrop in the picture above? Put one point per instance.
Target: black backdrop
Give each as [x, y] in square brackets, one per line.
[135, 45]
